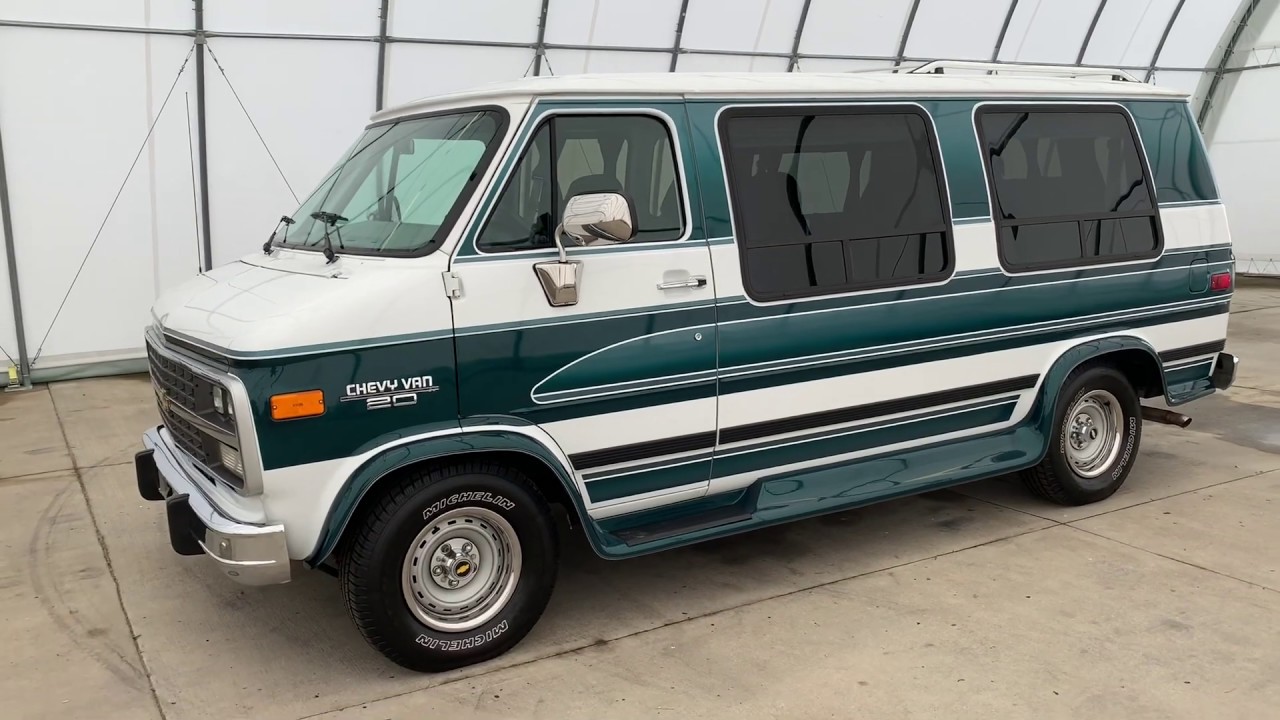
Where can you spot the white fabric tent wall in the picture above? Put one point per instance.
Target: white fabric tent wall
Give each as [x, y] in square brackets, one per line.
[76, 103]
[1245, 143]
[71, 130]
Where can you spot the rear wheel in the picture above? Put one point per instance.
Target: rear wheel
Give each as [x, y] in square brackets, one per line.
[453, 567]
[1097, 430]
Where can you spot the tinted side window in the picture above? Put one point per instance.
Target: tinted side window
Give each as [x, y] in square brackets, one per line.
[1070, 187]
[829, 200]
[575, 154]
[524, 216]
[1175, 151]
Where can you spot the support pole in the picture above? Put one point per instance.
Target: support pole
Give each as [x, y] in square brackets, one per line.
[540, 49]
[1241, 25]
[24, 364]
[382, 55]
[1004, 30]
[906, 35]
[1164, 37]
[1088, 36]
[675, 47]
[202, 147]
[795, 45]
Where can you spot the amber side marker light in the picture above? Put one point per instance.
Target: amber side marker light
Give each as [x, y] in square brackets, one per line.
[291, 406]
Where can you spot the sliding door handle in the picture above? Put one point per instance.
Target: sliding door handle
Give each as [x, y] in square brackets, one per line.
[693, 281]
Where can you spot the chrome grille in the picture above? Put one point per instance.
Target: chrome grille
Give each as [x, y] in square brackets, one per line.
[188, 437]
[178, 386]
[181, 384]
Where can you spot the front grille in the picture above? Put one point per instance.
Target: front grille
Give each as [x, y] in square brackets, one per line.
[181, 384]
[189, 438]
[182, 387]
[177, 385]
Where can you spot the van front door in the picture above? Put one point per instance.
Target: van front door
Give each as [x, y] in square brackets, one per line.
[623, 380]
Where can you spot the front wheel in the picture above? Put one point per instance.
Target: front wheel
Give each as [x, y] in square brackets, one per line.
[1098, 427]
[453, 567]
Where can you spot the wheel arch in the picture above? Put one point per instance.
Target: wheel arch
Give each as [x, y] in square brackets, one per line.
[1133, 356]
[508, 446]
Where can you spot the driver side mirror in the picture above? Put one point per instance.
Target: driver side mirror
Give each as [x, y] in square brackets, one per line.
[609, 217]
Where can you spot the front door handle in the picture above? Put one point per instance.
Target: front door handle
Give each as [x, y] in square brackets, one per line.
[693, 281]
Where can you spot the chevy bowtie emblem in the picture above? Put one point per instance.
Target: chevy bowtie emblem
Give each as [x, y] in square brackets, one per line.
[165, 401]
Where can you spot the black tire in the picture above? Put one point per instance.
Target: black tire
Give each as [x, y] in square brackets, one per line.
[1056, 479]
[379, 540]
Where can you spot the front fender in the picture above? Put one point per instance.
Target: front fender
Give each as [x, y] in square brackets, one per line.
[465, 442]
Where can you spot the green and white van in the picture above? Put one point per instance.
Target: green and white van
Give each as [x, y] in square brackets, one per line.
[681, 307]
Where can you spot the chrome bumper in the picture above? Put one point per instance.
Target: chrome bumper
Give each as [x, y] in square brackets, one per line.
[249, 554]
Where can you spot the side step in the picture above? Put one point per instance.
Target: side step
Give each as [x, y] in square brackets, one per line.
[679, 526]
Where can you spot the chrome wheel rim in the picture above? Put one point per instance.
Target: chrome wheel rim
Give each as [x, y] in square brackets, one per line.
[461, 569]
[1093, 430]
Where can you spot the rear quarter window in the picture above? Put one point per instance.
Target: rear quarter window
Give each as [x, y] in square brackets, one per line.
[1069, 185]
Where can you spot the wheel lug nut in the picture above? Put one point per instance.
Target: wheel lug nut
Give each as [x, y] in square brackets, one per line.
[447, 551]
[466, 547]
[453, 583]
[438, 570]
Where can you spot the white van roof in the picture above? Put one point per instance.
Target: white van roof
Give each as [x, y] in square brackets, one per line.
[880, 83]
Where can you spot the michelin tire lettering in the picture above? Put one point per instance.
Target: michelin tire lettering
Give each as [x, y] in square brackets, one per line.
[466, 643]
[1128, 448]
[475, 497]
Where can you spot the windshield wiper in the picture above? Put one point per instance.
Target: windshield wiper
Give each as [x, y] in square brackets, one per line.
[330, 221]
[285, 221]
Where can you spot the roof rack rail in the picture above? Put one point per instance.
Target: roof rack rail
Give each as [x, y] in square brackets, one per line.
[938, 67]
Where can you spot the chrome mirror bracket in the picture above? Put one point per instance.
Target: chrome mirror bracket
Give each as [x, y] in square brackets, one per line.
[559, 278]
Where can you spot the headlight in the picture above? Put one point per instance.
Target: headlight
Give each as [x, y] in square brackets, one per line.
[222, 401]
[231, 460]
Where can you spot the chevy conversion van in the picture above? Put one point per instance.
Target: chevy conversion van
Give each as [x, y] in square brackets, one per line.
[681, 307]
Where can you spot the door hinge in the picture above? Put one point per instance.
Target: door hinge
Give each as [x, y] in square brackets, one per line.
[452, 284]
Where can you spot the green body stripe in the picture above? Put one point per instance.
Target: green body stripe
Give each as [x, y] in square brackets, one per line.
[763, 455]
[663, 478]
[889, 432]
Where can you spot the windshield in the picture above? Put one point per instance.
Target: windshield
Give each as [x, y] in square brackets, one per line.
[401, 185]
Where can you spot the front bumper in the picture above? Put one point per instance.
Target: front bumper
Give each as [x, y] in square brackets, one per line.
[247, 553]
[1224, 371]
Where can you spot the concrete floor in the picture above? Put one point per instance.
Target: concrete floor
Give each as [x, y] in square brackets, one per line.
[1162, 602]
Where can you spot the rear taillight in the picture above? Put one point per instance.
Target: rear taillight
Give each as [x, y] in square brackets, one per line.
[1220, 282]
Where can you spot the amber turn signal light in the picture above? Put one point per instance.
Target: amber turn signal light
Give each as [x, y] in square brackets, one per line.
[291, 406]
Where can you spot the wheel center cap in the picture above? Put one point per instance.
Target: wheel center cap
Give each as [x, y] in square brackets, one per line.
[1083, 432]
[455, 563]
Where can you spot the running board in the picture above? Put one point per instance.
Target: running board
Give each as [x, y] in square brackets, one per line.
[679, 526]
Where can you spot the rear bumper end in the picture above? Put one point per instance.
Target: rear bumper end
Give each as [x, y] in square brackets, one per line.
[247, 553]
[1224, 371]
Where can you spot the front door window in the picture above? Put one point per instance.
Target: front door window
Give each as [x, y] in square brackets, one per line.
[628, 154]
